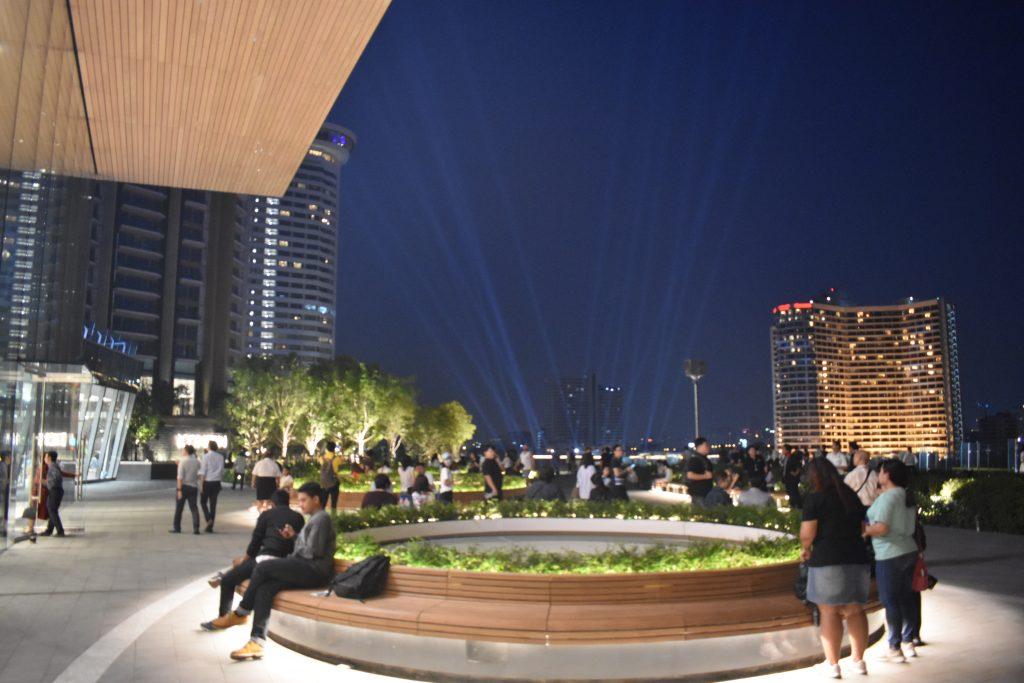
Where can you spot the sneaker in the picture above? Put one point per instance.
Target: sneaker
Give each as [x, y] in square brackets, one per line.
[918, 642]
[227, 621]
[860, 667]
[251, 650]
[894, 655]
[830, 670]
[908, 650]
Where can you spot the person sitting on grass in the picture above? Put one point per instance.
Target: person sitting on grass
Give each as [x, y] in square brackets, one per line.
[266, 543]
[310, 565]
[380, 495]
[719, 494]
[544, 486]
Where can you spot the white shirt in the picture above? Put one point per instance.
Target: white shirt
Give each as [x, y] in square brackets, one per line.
[211, 466]
[840, 460]
[406, 476]
[287, 482]
[266, 468]
[447, 481]
[526, 460]
[909, 459]
[864, 483]
[583, 482]
[755, 497]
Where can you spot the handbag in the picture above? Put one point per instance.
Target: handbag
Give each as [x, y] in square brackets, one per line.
[920, 582]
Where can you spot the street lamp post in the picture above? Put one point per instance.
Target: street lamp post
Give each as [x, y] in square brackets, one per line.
[695, 369]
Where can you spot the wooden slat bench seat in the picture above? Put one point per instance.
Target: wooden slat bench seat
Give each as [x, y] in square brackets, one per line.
[561, 609]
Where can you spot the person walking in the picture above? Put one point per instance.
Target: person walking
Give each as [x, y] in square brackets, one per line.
[619, 473]
[892, 520]
[446, 483]
[792, 471]
[238, 467]
[839, 570]
[492, 474]
[211, 472]
[55, 492]
[188, 489]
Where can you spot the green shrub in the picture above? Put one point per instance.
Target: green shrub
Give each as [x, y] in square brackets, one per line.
[619, 559]
[986, 501]
[464, 481]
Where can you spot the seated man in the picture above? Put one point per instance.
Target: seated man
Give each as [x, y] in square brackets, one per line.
[310, 565]
[266, 543]
[381, 494]
[719, 495]
[752, 496]
[544, 487]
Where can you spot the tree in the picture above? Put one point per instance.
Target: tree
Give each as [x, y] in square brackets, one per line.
[289, 399]
[144, 423]
[361, 399]
[397, 412]
[442, 428]
[247, 409]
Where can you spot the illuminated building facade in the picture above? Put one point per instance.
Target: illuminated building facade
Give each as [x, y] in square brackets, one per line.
[584, 413]
[292, 285]
[883, 376]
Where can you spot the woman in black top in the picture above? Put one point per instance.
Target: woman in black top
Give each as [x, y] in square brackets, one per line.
[839, 575]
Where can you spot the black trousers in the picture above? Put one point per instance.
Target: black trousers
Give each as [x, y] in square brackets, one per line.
[269, 578]
[188, 495]
[208, 501]
[229, 582]
[238, 480]
[446, 497]
[332, 495]
[796, 499]
[53, 509]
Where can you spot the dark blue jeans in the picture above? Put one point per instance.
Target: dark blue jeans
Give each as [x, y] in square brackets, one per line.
[894, 579]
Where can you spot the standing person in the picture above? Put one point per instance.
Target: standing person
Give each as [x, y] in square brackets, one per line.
[619, 473]
[211, 472]
[329, 481]
[188, 489]
[266, 475]
[310, 565]
[287, 483]
[446, 485]
[909, 459]
[585, 476]
[570, 461]
[55, 492]
[792, 471]
[699, 471]
[406, 477]
[493, 476]
[755, 467]
[266, 543]
[526, 464]
[862, 479]
[839, 459]
[892, 519]
[5, 489]
[238, 467]
[839, 571]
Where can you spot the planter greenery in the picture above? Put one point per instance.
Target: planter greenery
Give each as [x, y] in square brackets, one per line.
[464, 481]
[658, 558]
[981, 500]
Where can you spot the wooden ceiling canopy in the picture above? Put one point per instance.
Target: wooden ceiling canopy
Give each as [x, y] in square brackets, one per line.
[221, 95]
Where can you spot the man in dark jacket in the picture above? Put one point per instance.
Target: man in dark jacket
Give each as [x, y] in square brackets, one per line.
[266, 542]
[545, 487]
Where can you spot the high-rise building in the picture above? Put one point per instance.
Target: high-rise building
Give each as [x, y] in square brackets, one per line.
[584, 413]
[884, 376]
[292, 284]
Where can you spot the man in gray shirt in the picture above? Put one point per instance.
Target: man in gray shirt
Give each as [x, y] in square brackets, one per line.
[310, 565]
[211, 472]
[188, 489]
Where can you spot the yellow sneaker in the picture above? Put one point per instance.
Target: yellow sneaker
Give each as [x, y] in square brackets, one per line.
[251, 650]
[227, 621]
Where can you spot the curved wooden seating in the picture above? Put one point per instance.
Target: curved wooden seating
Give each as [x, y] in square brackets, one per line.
[568, 609]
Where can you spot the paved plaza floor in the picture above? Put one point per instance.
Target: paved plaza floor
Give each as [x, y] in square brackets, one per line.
[123, 602]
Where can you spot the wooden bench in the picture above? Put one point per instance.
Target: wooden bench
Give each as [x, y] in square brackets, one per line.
[569, 609]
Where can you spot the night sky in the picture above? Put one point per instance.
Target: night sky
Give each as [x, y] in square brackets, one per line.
[553, 188]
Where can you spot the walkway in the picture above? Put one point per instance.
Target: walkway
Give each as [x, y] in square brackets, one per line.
[123, 602]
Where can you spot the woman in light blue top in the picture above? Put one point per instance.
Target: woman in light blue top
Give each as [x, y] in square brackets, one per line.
[892, 518]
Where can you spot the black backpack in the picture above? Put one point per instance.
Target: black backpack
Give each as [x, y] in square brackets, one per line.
[364, 579]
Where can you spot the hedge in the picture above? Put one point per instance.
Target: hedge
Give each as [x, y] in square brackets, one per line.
[984, 501]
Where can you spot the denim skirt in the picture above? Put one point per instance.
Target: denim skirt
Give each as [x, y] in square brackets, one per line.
[839, 584]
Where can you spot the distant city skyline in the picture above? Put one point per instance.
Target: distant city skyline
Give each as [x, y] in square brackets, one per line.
[645, 181]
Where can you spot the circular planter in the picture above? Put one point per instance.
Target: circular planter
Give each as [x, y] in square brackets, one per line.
[437, 624]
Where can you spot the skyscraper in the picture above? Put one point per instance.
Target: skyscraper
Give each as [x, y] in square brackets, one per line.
[886, 377]
[292, 281]
[584, 413]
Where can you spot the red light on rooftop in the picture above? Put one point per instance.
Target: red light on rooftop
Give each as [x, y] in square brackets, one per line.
[782, 308]
[802, 305]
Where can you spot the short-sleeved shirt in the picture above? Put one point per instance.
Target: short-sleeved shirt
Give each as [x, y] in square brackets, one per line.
[188, 471]
[839, 539]
[891, 508]
[493, 469]
[698, 464]
[266, 468]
